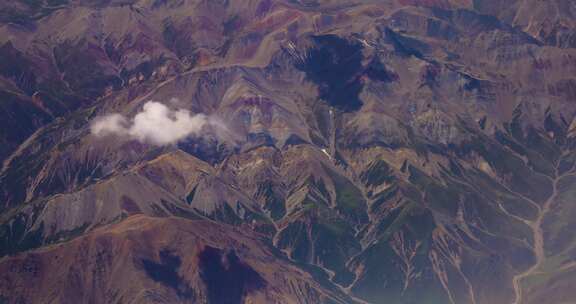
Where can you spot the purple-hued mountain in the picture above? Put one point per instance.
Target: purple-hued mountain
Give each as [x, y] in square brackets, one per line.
[288, 151]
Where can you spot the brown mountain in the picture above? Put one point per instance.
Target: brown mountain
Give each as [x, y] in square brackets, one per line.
[402, 151]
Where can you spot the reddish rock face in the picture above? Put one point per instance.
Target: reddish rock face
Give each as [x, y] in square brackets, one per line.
[408, 151]
[145, 259]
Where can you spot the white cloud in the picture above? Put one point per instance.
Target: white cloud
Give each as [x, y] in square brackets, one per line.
[109, 124]
[155, 124]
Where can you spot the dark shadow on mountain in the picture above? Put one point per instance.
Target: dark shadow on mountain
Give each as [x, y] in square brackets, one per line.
[335, 65]
[240, 279]
[376, 70]
[406, 46]
[207, 148]
[166, 273]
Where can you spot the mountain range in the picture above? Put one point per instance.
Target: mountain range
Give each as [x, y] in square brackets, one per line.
[288, 151]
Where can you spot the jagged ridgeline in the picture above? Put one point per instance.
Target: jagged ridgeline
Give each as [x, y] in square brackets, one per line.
[345, 152]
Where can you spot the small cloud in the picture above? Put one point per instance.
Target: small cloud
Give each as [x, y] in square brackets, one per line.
[156, 124]
[109, 124]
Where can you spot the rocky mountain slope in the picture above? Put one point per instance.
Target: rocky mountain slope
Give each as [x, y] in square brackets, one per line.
[402, 151]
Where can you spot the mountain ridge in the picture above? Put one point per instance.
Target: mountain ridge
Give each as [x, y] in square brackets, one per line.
[397, 151]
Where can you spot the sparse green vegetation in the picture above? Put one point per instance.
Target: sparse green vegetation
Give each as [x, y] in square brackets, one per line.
[349, 199]
[378, 173]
